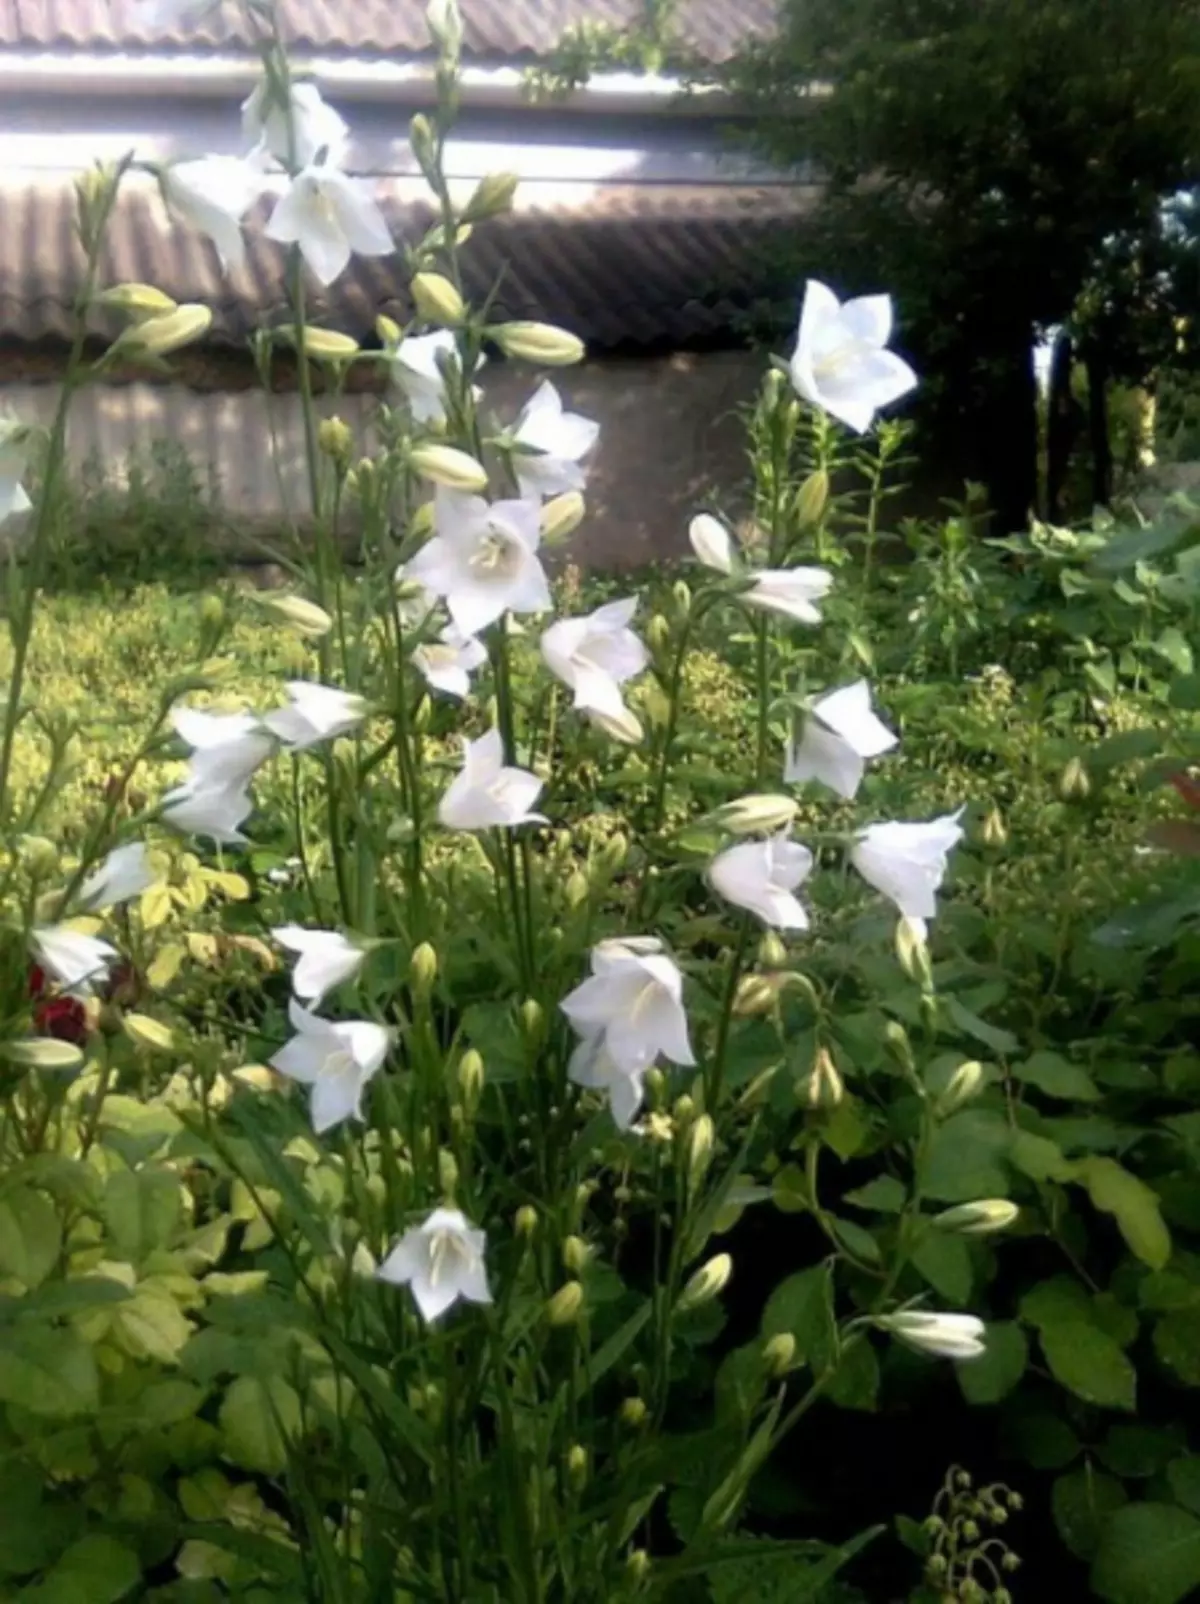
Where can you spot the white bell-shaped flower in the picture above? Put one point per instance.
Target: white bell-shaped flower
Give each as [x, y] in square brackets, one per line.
[488, 794]
[483, 559]
[441, 1261]
[555, 442]
[124, 874]
[297, 132]
[841, 362]
[711, 542]
[762, 876]
[315, 713]
[594, 656]
[227, 748]
[337, 1061]
[448, 662]
[943, 1336]
[907, 862]
[211, 809]
[330, 217]
[14, 462]
[326, 959]
[418, 366]
[794, 592]
[632, 1003]
[75, 960]
[214, 194]
[839, 733]
[593, 1067]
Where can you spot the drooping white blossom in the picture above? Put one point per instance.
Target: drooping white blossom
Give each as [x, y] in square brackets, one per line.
[330, 217]
[762, 876]
[215, 810]
[595, 655]
[326, 959]
[839, 733]
[483, 559]
[554, 444]
[628, 1013]
[794, 592]
[711, 542]
[213, 194]
[417, 366]
[488, 794]
[227, 748]
[337, 1061]
[841, 362]
[314, 713]
[943, 1336]
[297, 132]
[77, 961]
[14, 462]
[124, 874]
[907, 862]
[448, 662]
[441, 1261]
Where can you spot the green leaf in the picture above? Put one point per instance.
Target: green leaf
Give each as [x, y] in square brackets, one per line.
[802, 1305]
[1185, 692]
[1054, 1302]
[257, 1419]
[992, 1037]
[1090, 1364]
[48, 1372]
[885, 1194]
[1082, 1501]
[1177, 1344]
[30, 1236]
[999, 1368]
[1135, 1451]
[1057, 1076]
[602, 1361]
[1135, 1207]
[1148, 1554]
[1183, 1477]
[855, 1384]
[1039, 1157]
[1172, 644]
[856, 1241]
[1042, 1440]
[945, 1262]
[95, 1570]
[142, 1210]
[964, 1160]
[151, 1325]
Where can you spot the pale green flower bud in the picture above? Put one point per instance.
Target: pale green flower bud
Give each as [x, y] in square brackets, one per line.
[304, 616]
[658, 633]
[137, 301]
[38, 855]
[447, 1171]
[681, 592]
[913, 954]
[575, 1254]
[471, 1076]
[533, 1019]
[895, 1039]
[213, 613]
[1074, 783]
[779, 1354]
[525, 1221]
[633, 1413]
[335, 439]
[148, 1033]
[538, 342]
[326, 344]
[708, 1282]
[963, 1085]
[576, 889]
[388, 331]
[701, 1140]
[753, 814]
[423, 968]
[170, 331]
[811, 498]
[562, 516]
[493, 195]
[754, 997]
[978, 1219]
[577, 1466]
[613, 853]
[772, 953]
[684, 1111]
[823, 1087]
[446, 465]
[994, 832]
[42, 1052]
[637, 1566]
[437, 300]
[565, 1307]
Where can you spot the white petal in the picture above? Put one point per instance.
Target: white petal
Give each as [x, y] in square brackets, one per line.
[822, 755]
[869, 318]
[847, 712]
[711, 543]
[336, 1098]
[359, 218]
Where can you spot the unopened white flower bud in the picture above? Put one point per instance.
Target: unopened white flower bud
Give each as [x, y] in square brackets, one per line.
[708, 1282]
[562, 516]
[751, 815]
[978, 1219]
[446, 465]
[166, 332]
[304, 616]
[963, 1085]
[711, 543]
[538, 342]
[437, 300]
[493, 195]
[137, 301]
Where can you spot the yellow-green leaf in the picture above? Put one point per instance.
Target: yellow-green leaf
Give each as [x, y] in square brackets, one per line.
[155, 906]
[257, 1419]
[166, 965]
[30, 1236]
[1132, 1204]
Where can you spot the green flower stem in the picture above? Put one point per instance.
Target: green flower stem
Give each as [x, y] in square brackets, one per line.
[762, 685]
[714, 1081]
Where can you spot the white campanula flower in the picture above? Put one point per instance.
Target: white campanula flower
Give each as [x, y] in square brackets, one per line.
[944, 1336]
[841, 362]
[337, 1061]
[762, 876]
[555, 443]
[330, 217]
[75, 960]
[793, 592]
[14, 461]
[211, 809]
[907, 862]
[624, 726]
[326, 959]
[124, 874]
[314, 124]
[448, 662]
[593, 1067]
[214, 194]
[711, 542]
[483, 559]
[487, 793]
[418, 366]
[315, 713]
[594, 656]
[632, 1006]
[440, 1261]
[839, 733]
[227, 748]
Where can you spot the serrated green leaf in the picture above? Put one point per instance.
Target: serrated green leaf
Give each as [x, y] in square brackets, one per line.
[257, 1420]
[1082, 1501]
[945, 1262]
[1057, 1076]
[999, 1368]
[30, 1236]
[1148, 1554]
[1090, 1364]
[964, 1160]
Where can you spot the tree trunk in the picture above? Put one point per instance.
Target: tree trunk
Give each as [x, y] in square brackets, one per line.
[1062, 426]
[1102, 462]
[1008, 432]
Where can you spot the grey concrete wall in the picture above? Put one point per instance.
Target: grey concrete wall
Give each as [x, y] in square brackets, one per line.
[671, 436]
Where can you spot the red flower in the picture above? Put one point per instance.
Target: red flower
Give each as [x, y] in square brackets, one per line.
[64, 1018]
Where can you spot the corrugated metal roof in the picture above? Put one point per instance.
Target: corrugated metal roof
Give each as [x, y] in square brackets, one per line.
[628, 265]
[493, 29]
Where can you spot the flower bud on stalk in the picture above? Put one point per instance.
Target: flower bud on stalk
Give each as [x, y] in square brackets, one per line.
[471, 1076]
[423, 968]
[562, 516]
[701, 1140]
[963, 1085]
[538, 342]
[565, 1307]
[706, 1284]
[525, 1221]
[493, 195]
[633, 1413]
[446, 465]
[1074, 784]
[577, 1466]
[575, 1254]
[755, 996]
[983, 1218]
[437, 300]
[811, 498]
[824, 1088]
[779, 1354]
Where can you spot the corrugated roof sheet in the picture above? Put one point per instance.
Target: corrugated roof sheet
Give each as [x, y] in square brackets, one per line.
[630, 265]
[493, 29]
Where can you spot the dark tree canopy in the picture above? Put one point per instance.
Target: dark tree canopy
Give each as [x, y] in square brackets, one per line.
[981, 155]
